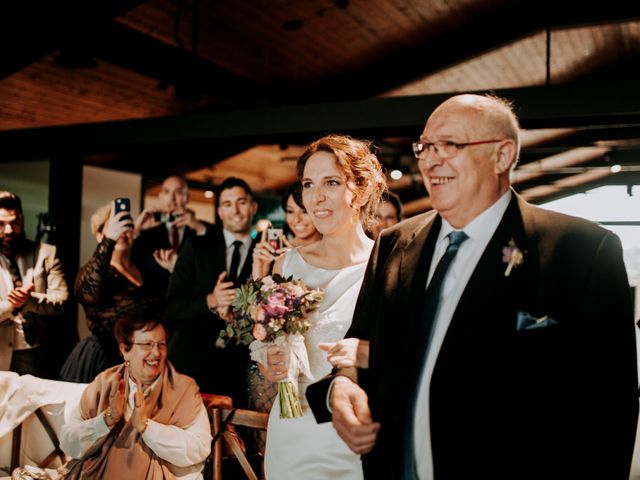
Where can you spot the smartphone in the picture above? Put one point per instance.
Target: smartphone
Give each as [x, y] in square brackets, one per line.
[274, 237]
[123, 205]
[163, 217]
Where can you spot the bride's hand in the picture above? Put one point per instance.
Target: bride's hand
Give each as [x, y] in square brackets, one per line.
[276, 368]
[348, 352]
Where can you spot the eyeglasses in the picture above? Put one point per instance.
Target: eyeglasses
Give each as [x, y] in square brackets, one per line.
[445, 149]
[148, 346]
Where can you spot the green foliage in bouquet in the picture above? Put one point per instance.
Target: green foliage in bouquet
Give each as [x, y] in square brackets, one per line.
[267, 308]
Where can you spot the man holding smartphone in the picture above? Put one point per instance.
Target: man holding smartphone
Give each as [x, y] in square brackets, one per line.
[160, 233]
[203, 284]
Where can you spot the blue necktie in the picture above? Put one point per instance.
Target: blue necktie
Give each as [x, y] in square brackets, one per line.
[432, 299]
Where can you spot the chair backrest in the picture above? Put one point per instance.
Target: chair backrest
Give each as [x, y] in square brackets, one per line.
[221, 414]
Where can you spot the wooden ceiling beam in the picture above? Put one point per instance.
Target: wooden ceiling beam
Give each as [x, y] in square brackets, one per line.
[192, 75]
[573, 105]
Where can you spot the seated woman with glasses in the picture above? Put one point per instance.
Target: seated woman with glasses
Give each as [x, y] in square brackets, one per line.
[140, 419]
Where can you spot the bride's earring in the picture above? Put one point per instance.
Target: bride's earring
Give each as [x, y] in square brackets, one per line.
[127, 363]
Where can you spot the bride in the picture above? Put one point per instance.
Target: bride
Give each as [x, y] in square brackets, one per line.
[341, 186]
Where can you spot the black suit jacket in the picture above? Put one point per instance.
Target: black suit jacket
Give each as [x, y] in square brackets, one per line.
[507, 402]
[192, 347]
[153, 239]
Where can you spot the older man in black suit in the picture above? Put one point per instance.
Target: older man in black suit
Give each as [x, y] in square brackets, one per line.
[161, 232]
[203, 283]
[501, 335]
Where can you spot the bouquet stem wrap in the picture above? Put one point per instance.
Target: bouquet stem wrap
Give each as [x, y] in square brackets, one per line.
[298, 364]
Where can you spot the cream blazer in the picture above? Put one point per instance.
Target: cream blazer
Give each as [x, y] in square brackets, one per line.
[38, 264]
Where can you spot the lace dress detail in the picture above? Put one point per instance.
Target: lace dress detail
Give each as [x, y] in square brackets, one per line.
[299, 447]
[106, 295]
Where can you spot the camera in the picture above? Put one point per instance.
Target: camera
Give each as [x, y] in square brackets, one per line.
[163, 217]
[123, 205]
[274, 237]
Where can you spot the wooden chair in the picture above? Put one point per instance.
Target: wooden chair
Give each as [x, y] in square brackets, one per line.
[17, 441]
[223, 416]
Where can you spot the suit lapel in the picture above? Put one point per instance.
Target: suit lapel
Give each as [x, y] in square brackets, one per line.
[26, 260]
[415, 262]
[414, 271]
[489, 291]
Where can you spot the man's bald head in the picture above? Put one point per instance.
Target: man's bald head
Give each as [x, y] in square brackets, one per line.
[498, 117]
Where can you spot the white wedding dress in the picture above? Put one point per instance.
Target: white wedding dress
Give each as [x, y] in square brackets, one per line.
[299, 448]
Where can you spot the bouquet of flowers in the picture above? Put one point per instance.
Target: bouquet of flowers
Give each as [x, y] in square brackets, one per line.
[273, 311]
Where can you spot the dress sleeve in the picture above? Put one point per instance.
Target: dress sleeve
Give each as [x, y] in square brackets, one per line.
[183, 447]
[78, 435]
[91, 277]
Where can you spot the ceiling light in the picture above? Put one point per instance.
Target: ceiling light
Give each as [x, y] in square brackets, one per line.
[395, 174]
[208, 194]
[615, 168]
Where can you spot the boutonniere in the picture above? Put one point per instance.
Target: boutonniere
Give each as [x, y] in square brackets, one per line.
[512, 256]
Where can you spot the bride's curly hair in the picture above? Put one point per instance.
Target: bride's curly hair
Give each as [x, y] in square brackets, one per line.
[361, 168]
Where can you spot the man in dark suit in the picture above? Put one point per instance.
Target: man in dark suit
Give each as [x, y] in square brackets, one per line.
[203, 284]
[161, 232]
[501, 335]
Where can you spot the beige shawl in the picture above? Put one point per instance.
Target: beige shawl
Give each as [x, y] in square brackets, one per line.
[123, 453]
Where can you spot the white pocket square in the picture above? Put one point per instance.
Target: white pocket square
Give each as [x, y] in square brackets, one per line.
[526, 321]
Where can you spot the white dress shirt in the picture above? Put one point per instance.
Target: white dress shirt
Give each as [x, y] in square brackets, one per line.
[229, 238]
[184, 448]
[479, 230]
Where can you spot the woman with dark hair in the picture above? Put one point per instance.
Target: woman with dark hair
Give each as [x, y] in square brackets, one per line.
[140, 419]
[298, 224]
[108, 286]
[298, 229]
[341, 185]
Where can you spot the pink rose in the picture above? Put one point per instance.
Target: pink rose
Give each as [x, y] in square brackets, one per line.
[276, 304]
[277, 298]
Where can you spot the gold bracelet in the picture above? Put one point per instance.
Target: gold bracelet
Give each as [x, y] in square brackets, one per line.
[108, 418]
[146, 424]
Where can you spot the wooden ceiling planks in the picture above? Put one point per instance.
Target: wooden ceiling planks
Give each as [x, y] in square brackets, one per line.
[575, 53]
[264, 167]
[331, 41]
[49, 94]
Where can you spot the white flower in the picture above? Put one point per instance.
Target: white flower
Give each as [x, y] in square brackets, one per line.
[512, 256]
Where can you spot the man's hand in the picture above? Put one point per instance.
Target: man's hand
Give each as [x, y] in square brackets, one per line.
[166, 258]
[144, 221]
[352, 417]
[18, 297]
[187, 218]
[222, 294]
